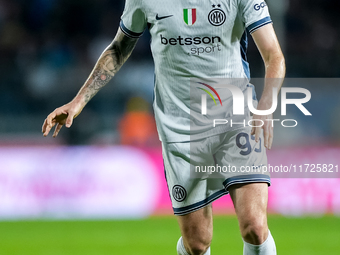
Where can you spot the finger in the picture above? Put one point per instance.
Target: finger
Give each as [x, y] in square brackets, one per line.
[48, 128]
[252, 132]
[271, 136]
[57, 129]
[266, 135]
[48, 124]
[69, 120]
[51, 117]
[257, 134]
[44, 126]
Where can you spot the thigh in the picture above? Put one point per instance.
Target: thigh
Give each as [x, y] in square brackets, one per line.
[197, 226]
[250, 202]
[187, 193]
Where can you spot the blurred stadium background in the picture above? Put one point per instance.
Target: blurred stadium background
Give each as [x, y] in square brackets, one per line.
[99, 187]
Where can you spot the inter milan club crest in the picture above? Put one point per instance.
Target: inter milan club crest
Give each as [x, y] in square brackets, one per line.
[216, 16]
[179, 193]
[189, 16]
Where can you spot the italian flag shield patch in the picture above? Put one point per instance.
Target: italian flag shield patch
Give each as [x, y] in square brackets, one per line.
[189, 16]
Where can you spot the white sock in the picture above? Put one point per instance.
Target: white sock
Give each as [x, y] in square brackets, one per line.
[266, 248]
[182, 251]
[180, 248]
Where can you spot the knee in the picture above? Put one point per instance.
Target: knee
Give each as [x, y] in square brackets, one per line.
[197, 247]
[254, 232]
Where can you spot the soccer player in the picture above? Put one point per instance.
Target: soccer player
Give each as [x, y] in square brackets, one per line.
[198, 40]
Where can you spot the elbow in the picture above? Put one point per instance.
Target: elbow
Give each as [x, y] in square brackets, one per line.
[275, 57]
[276, 62]
[282, 63]
[282, 60]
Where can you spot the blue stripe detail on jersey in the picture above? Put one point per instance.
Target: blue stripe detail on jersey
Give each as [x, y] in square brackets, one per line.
[199, 205]
[129, 32]
[249, 178]
[246, 68]
[256, 25]
[244, 47]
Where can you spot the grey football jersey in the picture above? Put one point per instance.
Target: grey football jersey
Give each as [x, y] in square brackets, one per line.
[192, 39]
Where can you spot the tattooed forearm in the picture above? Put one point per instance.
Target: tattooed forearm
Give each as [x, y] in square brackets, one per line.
[108, 65]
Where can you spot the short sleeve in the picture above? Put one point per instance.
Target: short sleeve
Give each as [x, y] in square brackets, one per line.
[133, 20]
[254, 13]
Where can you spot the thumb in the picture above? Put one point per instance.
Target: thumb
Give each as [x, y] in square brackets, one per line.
[69, 120]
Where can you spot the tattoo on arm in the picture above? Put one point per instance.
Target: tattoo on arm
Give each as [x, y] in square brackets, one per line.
[108, 65]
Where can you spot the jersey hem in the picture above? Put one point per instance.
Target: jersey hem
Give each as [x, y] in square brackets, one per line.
[249, 178]
[243, 179]
[128, 32]
[196, 206]
[260, 23]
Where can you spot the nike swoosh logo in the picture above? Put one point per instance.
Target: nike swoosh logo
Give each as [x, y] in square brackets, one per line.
[163, 17]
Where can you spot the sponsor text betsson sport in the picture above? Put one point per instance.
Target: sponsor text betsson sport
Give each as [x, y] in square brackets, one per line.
[207, 44]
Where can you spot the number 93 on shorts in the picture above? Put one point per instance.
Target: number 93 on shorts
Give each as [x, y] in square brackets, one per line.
[200, 171]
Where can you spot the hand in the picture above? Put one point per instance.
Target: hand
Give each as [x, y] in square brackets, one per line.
[267, 129]
[61, 116]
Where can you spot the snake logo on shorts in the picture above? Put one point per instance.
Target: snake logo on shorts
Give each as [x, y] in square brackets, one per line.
[179, 193]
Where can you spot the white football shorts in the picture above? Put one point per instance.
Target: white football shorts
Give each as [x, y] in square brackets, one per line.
[199, 172]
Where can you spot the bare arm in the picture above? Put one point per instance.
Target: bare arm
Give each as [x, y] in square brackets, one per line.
[108, 64]
[268, 45]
